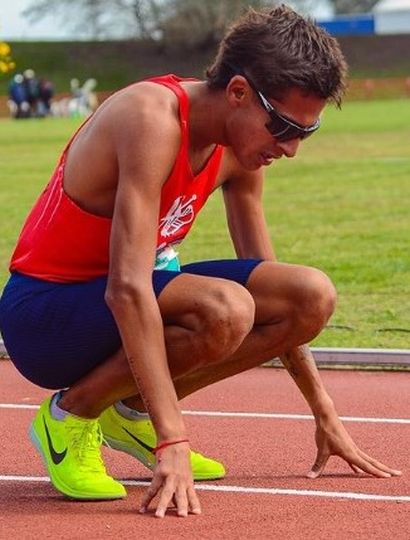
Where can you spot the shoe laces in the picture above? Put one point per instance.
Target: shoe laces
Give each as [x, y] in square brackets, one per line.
[86, 440]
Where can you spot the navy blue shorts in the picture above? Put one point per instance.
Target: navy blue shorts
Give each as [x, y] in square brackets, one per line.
[55, 333]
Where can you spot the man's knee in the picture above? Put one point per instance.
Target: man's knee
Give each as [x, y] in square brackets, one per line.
[315, 300]
[225, 314]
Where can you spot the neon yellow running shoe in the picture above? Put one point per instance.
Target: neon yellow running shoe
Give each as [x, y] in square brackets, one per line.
[138, 438]
[71, 449]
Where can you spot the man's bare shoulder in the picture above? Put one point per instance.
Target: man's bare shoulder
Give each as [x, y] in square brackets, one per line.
[146, 104]
[131, 124]
[135, 134]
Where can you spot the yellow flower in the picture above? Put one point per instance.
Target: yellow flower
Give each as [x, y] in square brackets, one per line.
[4, 49]
[3, 67]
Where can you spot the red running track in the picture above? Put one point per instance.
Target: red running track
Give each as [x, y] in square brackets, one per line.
[264, 453]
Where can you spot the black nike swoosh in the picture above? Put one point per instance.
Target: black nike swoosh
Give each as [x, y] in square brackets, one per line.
[57, 457]
[144, 445]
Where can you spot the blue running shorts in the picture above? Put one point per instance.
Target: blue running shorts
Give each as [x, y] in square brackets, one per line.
[55, 333]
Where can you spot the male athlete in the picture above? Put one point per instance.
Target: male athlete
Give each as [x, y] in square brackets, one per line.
[97, 305]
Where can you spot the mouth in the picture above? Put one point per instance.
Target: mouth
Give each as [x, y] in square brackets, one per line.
[266, 158]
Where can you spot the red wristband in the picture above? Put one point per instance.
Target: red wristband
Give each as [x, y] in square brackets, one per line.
[164, 444]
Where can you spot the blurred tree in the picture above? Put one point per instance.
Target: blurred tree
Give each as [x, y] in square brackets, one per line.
[353, 6]
[201, 24]
[195, 23]
[98, 19]
[189, 21]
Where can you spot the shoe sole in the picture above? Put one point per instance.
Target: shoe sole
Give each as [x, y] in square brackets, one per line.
[60, 486]
[138, 454]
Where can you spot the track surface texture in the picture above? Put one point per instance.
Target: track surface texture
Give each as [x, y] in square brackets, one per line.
[267, 446]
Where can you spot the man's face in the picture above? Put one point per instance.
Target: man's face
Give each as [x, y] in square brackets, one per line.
[252, 142]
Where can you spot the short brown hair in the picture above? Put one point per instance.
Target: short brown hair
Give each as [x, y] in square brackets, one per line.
[279, 49]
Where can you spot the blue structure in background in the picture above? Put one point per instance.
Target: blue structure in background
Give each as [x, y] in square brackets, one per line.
[349, 25]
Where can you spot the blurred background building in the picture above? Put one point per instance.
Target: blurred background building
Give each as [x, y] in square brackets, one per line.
[392, 17]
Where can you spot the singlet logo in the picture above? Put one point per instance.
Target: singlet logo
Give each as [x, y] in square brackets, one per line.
[181, 213]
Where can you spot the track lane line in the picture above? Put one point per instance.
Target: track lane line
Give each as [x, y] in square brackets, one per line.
[278, 416]
[285, 416]
[243, 489]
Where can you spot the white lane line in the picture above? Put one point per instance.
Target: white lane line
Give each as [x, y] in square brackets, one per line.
[18, 406]
[277, 416]
[297, 417]
[244, 489]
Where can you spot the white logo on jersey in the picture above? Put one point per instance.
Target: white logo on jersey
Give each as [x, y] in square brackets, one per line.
[181, 213]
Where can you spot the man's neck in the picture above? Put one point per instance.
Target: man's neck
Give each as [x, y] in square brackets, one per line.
[206, 115]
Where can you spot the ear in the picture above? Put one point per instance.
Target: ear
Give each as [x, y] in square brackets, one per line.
[238, 91]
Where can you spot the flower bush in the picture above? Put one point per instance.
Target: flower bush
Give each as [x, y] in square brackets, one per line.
[6, 62]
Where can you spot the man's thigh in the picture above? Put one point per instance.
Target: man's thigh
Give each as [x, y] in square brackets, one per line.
[203, 284]
[281, 288]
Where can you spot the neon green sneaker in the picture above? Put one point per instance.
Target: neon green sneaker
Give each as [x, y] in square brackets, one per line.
[138, 438]
[71, 449]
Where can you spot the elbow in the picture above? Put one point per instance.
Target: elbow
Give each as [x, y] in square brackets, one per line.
[122, 294]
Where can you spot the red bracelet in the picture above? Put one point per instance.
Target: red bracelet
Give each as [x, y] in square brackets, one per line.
[168, 443]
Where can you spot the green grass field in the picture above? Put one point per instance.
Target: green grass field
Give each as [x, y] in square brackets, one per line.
[342, 205]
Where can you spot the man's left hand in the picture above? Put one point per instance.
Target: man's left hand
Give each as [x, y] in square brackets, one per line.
[332, 439]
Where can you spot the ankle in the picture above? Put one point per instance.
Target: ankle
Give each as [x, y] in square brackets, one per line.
[78, 407]
[129, 412]
[136, 403]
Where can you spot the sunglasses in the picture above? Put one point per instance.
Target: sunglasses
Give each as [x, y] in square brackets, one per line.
[279, 126]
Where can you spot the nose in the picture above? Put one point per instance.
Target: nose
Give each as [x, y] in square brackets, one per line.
[289, 148]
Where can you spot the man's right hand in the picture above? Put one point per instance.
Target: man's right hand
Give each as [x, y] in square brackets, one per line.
[173, 482]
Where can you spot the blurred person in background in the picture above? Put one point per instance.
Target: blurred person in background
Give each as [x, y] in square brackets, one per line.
[46, 93]
[84, 100]
[19, 101]
[32, 85]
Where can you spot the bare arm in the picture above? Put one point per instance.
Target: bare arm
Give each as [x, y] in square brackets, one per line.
[244, 210]
[143, 168]
[247, 225]
[146, 147]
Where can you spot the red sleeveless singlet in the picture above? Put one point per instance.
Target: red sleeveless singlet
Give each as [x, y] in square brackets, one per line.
[61, 242]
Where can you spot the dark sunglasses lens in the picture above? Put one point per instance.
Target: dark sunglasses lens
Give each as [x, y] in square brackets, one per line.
[306, 134]
[276, 126]
[283, 131]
